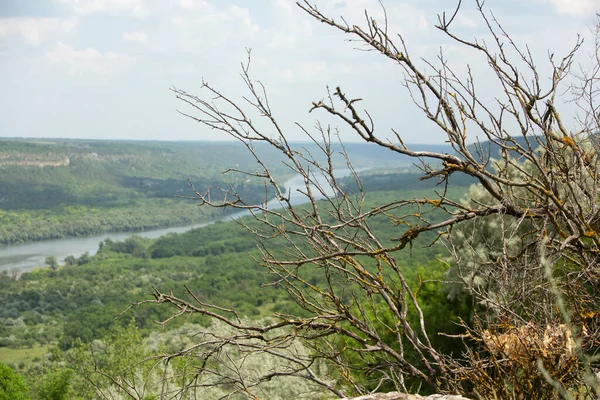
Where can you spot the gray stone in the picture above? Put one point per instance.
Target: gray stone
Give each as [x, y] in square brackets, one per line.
[404, 396]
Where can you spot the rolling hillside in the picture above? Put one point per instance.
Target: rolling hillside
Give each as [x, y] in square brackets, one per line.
[52, 188]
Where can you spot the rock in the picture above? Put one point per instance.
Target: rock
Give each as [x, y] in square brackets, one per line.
[403, 396]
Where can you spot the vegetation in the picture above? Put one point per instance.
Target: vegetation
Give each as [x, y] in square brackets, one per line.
[12, 386]
[73, 220]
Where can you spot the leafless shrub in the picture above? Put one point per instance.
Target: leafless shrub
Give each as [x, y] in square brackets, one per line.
[536, 282]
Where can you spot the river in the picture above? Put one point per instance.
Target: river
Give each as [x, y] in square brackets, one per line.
[26, 256]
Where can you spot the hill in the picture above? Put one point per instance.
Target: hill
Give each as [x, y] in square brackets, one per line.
[52, 188]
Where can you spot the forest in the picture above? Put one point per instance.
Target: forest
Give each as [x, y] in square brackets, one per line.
[52, 317]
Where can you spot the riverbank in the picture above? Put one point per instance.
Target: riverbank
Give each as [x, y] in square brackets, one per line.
[76, 221]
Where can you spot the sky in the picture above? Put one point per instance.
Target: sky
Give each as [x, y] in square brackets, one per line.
[102, 69]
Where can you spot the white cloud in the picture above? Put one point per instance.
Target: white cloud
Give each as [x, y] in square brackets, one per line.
[279, 41]
[284, 5]
[400, 15]
[464, 21]
[307, 71]
[208, 26]
[243, 14]
[35, 31]
[181, 41]
[193, 4]
[137, 8]
[288, 31]
[581, 8]
[136, 37]
[89, 60]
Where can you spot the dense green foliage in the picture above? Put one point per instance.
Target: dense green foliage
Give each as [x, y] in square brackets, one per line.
[47, 174]
[143, 214]
[12, 386]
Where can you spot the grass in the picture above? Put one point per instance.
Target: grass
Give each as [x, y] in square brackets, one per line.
[12, 356]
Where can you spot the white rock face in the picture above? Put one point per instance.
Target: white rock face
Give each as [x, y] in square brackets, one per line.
[403, 396]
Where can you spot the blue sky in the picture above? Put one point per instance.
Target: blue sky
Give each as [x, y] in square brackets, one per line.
[103, 68]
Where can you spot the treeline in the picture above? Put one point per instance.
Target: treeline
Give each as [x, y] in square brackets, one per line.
[71, 221]
[402, 181]
[137, 215]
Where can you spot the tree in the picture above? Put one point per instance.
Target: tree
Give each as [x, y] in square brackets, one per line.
[52, 383]
[116, 366]
[534, 279]
[84, 258]
[51, 262]
[70, 260]
[51, 379]
[12, 386]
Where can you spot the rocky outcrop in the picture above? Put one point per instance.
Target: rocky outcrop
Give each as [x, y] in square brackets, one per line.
[403, 396]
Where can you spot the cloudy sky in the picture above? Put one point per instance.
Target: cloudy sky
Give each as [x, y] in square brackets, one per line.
[103, 68]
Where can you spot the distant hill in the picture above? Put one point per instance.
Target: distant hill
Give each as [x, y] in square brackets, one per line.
[490, 149]
[372, 155]
[57, 188]
[387, 178]
[45, 173]
[51, 188]
[41, 174]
